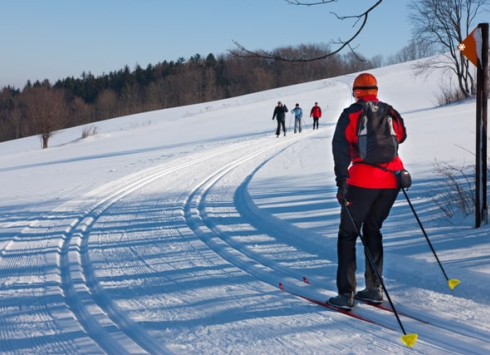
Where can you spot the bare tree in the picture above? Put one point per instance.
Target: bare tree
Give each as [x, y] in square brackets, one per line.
[353, 64]
[15, 119]
[80, 112]
[411, 51]
[157, 94]
[360, 22]
[443, 24]
[10, 114]
[130, 98]
[106, 104]
[46, 109]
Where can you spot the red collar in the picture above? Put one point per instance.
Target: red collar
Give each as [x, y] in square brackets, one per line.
[368, 98]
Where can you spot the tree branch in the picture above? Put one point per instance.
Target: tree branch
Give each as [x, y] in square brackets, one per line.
[310, 3]
[243, 52]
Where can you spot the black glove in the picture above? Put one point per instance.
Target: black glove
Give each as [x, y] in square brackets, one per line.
[342, 194]
[273, 118]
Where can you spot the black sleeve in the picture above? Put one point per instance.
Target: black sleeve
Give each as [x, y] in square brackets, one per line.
[401, 123]
[341, 149]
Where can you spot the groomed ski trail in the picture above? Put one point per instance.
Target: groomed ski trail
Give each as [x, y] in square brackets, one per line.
[136, 222]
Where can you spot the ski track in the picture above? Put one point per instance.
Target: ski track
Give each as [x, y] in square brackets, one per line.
[73, 281]
[77, 306]
[270, 271]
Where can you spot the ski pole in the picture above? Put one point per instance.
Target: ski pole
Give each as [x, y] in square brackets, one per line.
[452, 283]
[407, 339]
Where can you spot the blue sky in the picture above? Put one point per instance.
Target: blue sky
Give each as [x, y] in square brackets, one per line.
[55, 39]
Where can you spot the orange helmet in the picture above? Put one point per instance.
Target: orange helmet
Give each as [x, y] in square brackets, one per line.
[365, 84]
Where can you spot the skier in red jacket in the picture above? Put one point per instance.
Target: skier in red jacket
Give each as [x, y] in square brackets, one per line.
[316, 113]
[368, 192]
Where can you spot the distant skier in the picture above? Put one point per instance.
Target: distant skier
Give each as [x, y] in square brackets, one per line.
[316, 113]
[298, 115]
[280, 113]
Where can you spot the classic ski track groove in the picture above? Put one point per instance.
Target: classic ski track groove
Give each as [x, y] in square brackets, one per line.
[474, 335]
[477, 335]
[88, 301]
[271, 272]
[77, 237]
[84, 297]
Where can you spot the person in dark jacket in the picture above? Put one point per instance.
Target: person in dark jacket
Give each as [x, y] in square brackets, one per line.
[367, 191]
[316, 113]
[280, 113]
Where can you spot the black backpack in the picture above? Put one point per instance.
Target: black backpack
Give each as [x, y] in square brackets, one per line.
[377, 140]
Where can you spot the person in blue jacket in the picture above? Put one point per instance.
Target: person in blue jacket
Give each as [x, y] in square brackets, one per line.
[280, 112]
[298, 115]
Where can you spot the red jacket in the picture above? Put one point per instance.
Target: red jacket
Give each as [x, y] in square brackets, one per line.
[316, 112]
[345, 152]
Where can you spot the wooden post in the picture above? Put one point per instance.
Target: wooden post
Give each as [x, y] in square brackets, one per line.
[483, 109]
[481, 209]
[475, 49]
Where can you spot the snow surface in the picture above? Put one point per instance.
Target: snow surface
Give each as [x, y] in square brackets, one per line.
[168, 232]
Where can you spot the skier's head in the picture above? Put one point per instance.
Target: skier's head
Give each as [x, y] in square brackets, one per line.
[365, 84]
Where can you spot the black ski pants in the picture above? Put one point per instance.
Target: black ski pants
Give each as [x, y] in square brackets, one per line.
[315, 122]
[369, 208]
[279, 124]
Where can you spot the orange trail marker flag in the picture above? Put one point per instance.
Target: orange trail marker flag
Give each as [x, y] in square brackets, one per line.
[471, 46]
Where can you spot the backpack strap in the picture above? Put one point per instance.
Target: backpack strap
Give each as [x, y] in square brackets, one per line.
[403, 178]
[375, 165]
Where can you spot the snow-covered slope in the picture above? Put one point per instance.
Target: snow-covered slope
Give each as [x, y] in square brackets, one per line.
[169, 232]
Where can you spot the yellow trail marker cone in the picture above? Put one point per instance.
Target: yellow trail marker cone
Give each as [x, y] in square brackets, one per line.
[409, 339]
[453, 283]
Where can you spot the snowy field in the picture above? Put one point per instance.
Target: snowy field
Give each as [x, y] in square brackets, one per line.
[169, 232]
